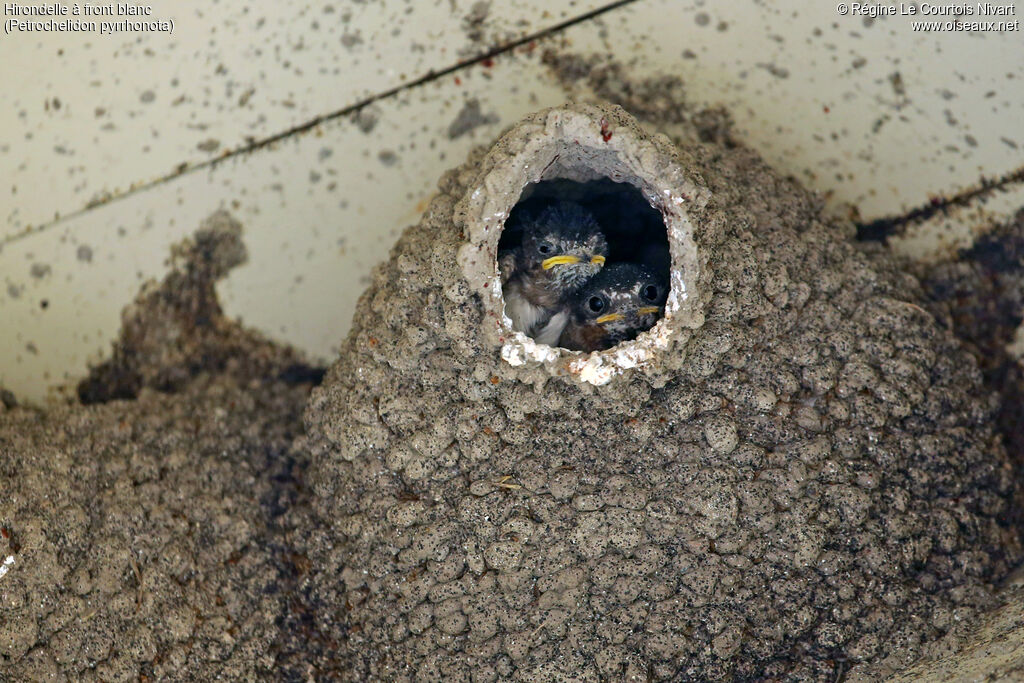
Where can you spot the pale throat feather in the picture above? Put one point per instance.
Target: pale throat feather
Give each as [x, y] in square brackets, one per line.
[525, 316]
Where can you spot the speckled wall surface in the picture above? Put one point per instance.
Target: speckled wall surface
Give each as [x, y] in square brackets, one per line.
[320, 126]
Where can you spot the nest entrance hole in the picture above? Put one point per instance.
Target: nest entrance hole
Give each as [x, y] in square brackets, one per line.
[634, 230]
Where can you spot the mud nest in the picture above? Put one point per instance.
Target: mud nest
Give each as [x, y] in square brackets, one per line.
[794, 472]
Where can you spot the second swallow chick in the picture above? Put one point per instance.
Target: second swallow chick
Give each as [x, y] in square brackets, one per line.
[562, 247]
[616, 305]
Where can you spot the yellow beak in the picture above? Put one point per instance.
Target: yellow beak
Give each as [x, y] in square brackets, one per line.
[565, 259]
[609, 317]
[598, 260]
[644, 310]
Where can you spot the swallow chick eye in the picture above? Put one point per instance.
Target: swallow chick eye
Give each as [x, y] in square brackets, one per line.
[596, 304]
[545, 248]
[650, 293]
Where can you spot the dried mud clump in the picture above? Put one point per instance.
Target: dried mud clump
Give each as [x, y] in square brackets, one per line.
[138, 537]
[992, 650]
[794, 473]
[982, 292]
[175, 329]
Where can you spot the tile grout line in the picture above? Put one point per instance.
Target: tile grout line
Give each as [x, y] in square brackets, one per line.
[881, 229]
[317, 120]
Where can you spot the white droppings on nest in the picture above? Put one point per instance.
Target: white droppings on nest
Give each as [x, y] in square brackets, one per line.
[600, 367]
[521, 349]
[6, 566]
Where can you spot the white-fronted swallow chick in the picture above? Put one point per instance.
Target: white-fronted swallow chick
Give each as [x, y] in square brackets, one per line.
[616, 305]
[562, 248]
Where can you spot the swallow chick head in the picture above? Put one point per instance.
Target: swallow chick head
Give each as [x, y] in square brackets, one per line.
[616, 305]
[562, 248]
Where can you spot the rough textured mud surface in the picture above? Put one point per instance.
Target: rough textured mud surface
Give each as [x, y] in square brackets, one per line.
[986, 647]
[176, 329]
[657, 100]
[139, 537]
[991, 651]
[795, 474]
[982, 292]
